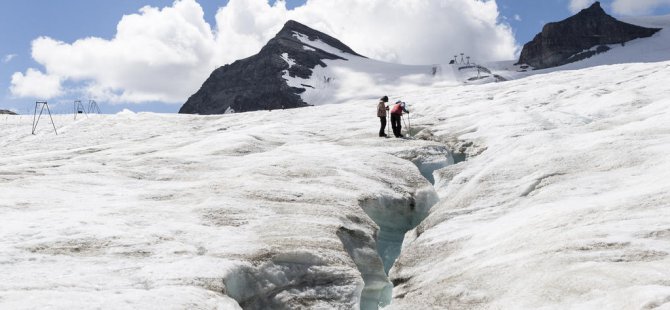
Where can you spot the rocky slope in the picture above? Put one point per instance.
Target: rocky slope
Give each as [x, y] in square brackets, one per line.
[257, 82]
[7, 112]
[581, 36]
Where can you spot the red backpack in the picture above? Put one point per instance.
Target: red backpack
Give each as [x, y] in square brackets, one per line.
[396, 109]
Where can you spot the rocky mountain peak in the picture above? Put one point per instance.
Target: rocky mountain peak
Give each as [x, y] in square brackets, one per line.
[595, 11]
[293, 28]
[259, 82]
[578, 37]
[595, 7]
[7, 112]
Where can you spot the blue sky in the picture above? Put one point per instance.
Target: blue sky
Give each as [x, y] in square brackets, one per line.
[68, 20]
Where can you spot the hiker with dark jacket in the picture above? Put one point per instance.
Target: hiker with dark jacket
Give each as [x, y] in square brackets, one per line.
[381, 113]
[396, 114]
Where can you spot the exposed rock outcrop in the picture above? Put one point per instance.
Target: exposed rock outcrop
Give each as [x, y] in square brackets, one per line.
[257, 82]
[7, 112]
[578, 37]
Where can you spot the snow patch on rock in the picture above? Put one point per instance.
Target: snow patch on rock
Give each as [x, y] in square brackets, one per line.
[288, 60]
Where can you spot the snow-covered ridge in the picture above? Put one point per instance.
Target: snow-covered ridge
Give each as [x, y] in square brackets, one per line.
[311, 45]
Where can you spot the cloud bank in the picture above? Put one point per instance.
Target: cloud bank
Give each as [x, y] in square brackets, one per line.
[165, 54]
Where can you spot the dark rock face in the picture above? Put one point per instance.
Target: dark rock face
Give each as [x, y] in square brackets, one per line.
[257, 83]
[574, 38]
[7, 112]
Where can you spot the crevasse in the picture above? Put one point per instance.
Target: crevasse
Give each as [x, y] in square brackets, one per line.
[397, 215]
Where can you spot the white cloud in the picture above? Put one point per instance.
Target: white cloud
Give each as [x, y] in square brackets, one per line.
[244, 26]
[517, 17]
[156, 55]
[413, 32]
[166, 54]
[578, 5]
[637, 7]
[8, 58]
[35, 84]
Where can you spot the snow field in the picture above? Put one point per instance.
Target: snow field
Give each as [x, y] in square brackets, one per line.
[258, 210]
[566, 207]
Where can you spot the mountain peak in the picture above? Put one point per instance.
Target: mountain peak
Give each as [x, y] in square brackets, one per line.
[580, 36]
[595, 7]
[292, 28]
[260, 82]
[595, 12]
[292, 25]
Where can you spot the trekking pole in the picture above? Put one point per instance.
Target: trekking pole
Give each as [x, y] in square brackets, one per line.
[405, 123]
[388, 123]
[409, 127]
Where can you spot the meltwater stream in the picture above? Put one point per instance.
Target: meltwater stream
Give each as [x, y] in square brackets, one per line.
[395, 216]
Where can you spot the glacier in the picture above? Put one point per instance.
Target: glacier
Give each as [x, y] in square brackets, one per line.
[548, 191]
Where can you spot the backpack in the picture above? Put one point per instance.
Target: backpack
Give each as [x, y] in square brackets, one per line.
[396, 109]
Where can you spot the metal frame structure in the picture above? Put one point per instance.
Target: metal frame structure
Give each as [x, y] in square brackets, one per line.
[36, 118]
[78, 108]
[93, 107]
[465, 60]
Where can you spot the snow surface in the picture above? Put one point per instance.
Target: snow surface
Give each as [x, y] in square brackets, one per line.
[562, 201]
[567, 208]
[126, 210]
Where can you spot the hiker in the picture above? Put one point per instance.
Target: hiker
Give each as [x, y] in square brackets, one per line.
[396, 114]
[381, 113]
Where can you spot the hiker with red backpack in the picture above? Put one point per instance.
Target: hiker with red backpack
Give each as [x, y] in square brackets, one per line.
[396, 114]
